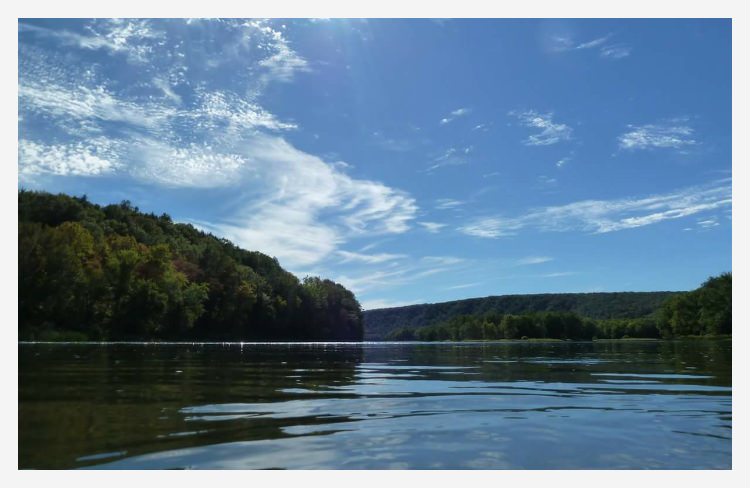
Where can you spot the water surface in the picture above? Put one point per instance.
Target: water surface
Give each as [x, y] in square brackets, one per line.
[563, 405]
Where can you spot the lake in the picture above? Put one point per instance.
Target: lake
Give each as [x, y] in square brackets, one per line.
[510, 405]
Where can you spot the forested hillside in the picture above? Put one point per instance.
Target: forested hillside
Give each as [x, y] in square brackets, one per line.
[622, 305]
[115, 273]
[706, 311]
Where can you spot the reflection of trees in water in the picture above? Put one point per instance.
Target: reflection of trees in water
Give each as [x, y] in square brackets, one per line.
[712, 358]
[78, 400]
[565, 362]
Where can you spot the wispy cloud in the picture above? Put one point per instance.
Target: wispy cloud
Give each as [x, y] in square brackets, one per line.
[558, 274]
[546, 181]
[387, 303]
[708, 223]
[533, 260]
[448, 203]
[194, 166]
[442, 260]
[615, 52]
[593, 43]
[491, 227]
[673, 134]
[95, 104]
[82, 109]
[410, 272]
[460, 287]
[562, 43]
[548, 132]
[601, 216]
[455, 114]
[286, 218]
[283, 62]
[132, 38]
[562, 162]
[209, 133]
[432, 227]
[95, 158]
[452, 157]
[368, 258]
[230, 113]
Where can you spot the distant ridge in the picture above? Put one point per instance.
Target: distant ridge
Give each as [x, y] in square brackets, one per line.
[379, 322]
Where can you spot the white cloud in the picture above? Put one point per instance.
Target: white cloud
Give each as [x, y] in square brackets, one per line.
[221, 114]
[190, 166]
[548, 131]
[561, 43]
[562, 162]
[202, 132]
[164, 85]
[94, 104]
[402, 275]
[612, 51]
[460, 287]
[432, 227]
[293, 189]
[222, 111]
[533, 260]
[601, 216]
[673, 135]
[387, 303]
[593, 43]
[293, 235]
[442, 260]
[546, 180]
[615, 52]
[94, 158]
[455, 114]
[283, 62]
[368, 258]
[491, 227]
[708, 223]
[448, 203]
[132, 38]
[452, 157]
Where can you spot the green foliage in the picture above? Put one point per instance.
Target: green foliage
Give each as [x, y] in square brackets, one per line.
[493, 326]
[114, 273]
[705, 311]
[624, 305]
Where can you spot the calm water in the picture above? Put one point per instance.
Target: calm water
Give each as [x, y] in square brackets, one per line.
[617, 405]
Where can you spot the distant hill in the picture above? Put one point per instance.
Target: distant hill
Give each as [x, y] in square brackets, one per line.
[379, 322]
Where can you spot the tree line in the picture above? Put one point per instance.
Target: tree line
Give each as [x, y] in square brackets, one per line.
[706, 311]
[90, 272]
[618, 305]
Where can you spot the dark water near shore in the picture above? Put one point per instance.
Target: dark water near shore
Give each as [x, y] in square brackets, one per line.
[604, 405]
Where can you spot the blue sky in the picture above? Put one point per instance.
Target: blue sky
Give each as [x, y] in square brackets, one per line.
[410, 160]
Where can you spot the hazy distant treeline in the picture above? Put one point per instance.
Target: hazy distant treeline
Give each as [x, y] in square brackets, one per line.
[702, 312]
[619, 305]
